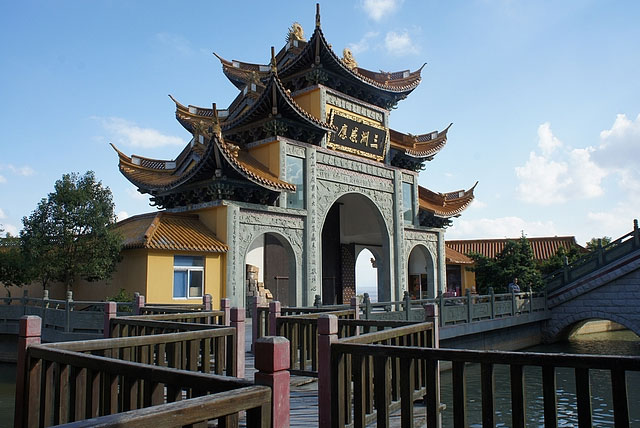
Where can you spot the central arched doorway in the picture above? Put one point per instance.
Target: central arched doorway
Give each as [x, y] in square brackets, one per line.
[270, 269]
[352, 223]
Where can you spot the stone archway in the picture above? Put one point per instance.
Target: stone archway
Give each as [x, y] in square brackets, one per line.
[421, 278]
[353, 221]
[271, 262]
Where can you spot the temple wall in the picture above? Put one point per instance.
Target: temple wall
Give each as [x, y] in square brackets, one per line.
[310, 102]
[268, 154]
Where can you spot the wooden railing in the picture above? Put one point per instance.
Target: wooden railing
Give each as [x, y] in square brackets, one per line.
[111, 380]
[65, 386]
[197, 317]
[595, 260]
[367, 387]
[302, 333]
[347, 356]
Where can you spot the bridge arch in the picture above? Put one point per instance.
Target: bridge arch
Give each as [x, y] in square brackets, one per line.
[560, 328]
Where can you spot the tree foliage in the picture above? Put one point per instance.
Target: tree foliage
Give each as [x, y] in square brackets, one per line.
[556, 261]
[514, 261]
[14, 269]
[593, 243]
[69, 236]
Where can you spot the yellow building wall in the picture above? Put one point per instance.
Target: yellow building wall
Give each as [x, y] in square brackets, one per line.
[468, 279]
[268, 154]
[215, 218]
[310, 102]
[160, 277]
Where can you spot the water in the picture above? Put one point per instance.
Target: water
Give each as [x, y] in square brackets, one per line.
[611, 343]
[7, 393]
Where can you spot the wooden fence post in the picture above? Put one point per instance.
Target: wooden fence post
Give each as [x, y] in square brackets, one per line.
[274, 313]
[256, 322]
[355, 307]
[30, 328]
[237, 322]
[327, 334]
[138, 303]
[431, 314]
[67, 311]
[110, 312]
[206, 302]
[272, 362]
[225, 306]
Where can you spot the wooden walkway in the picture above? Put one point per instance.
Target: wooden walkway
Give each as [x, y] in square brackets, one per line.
[304, 390]
[304, 394]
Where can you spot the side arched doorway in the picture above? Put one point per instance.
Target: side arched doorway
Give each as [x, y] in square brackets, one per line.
[271, 269]
[421, 274]
[353, 222]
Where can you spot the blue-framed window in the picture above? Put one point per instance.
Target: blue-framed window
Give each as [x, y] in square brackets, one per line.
[188, 277]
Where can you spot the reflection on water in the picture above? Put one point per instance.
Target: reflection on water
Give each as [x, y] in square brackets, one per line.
[7, 393]
[612, 343]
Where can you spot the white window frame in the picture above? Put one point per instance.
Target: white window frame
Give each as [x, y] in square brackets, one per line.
[188, 269]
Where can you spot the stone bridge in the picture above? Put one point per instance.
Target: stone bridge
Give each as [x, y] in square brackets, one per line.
[605, 285]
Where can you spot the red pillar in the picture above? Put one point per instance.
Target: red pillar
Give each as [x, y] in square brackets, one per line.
[327, 334]
[274, 313]
[110, 312]
[237, 321]
[225, 306]
[138, 302]
[272, 362]
[29, 332]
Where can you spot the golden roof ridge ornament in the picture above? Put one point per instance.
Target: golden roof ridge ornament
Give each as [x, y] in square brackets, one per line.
[348, 60]
[296, 33]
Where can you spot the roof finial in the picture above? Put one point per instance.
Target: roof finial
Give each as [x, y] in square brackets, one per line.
[274, 68]
[317, 15]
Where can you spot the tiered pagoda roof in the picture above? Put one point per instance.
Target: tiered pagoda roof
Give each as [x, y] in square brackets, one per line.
[218, 164]
[435, 209]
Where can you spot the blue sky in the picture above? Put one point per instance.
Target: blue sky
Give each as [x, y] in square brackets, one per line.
[544, 96]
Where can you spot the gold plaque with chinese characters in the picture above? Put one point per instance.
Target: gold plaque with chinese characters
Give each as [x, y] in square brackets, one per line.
[357, 135]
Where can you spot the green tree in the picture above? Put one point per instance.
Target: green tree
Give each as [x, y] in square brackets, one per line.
[593, 243]
[514, 261]
[556, 261]
[14, 269]
[70, 235]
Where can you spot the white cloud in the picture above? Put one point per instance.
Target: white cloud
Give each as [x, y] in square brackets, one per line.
[558, 176]
[546, 140]
[504, 227]
[122, 215]
[128, 133]
[477, 204]
[399, 43]
[175, 42]
[2, 179]
[363, 44]
[23, 171]
[10, 229]
[377, 9]
[619, 145]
